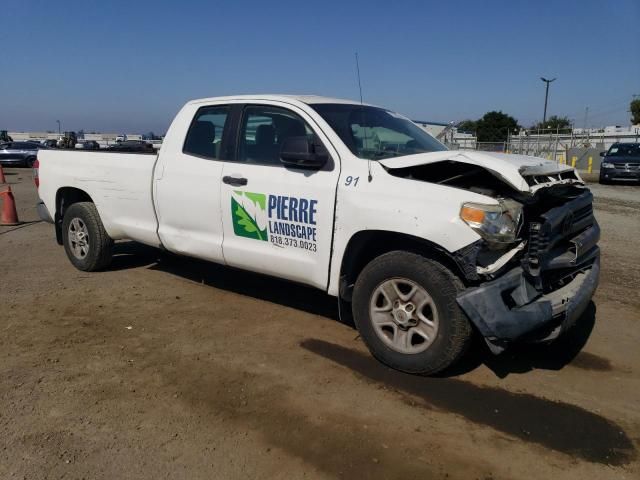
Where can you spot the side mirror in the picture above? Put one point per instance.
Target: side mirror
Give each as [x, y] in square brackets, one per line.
[602, 154]
[300, 152]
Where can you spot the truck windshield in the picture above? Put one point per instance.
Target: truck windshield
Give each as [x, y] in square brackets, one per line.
[374, 133]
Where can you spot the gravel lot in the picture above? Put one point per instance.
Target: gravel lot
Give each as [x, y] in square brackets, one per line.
[165, 367]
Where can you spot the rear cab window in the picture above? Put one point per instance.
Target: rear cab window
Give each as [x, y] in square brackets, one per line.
[204, 138]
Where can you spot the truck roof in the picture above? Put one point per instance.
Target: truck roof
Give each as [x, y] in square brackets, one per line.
[308, 99]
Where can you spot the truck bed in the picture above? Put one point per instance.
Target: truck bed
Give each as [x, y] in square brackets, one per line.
[120, 185]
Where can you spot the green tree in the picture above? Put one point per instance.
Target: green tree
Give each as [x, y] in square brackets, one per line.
[469, 126]
[635, 111]
[555, 124]
[495, 127]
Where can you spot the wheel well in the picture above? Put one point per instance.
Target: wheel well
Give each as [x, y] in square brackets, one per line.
[65, 197]
[366, 245]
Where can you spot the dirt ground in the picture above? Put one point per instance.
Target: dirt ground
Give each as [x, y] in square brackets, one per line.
[166, 367]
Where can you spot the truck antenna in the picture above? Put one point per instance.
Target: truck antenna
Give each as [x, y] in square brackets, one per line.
[359, 84]
[364, 128]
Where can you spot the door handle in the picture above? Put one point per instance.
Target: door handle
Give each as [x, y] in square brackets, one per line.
[234, 181]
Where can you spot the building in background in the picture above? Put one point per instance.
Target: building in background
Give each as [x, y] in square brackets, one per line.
[432, 128]
[452, 138]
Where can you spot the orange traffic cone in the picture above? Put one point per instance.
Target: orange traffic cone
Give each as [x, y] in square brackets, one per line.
[8, 215]
[2, 179]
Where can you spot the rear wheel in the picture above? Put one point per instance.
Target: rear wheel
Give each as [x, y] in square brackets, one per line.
[29, 162]
[85, 240]
[404, 307]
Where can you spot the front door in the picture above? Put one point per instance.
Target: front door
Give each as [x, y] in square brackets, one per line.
[277, 220]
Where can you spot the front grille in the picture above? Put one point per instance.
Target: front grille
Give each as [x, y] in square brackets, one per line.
[550, 178]
[627, 166]
[551, 233]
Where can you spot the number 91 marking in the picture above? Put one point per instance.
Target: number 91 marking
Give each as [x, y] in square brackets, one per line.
[351, 181]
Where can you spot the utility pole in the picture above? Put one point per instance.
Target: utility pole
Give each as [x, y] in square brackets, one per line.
[59, 125]
[546, 98]
[586, 118]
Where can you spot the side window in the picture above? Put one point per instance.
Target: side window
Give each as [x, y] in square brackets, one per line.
[263, 131]
[205, 133]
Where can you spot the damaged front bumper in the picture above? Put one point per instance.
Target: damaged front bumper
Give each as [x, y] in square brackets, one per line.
[508, 308]
[551, 287]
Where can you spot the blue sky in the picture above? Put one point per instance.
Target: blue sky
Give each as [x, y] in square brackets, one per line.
[129, 65]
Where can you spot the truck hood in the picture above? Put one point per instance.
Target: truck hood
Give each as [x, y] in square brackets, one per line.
[522, 172]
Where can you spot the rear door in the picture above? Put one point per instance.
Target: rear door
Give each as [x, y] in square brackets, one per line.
[278, 220]
[187, 184]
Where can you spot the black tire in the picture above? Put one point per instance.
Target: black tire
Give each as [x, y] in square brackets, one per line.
[29, 162]
[100, 245]
[454, 332]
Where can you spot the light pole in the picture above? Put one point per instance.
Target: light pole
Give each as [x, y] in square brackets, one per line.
[546, 98]
[59, 122]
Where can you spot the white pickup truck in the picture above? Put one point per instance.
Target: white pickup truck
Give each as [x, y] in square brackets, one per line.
[425, 246]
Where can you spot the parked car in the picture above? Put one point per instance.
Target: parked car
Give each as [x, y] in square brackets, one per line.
[421, 244]
[620, 163]
[19, 154]
[90, 145]
[134, 146]
[50, 143]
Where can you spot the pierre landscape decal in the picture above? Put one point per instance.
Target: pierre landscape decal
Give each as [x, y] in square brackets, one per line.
[283, 221]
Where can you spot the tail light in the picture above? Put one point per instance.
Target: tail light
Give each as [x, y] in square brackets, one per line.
[36, 173]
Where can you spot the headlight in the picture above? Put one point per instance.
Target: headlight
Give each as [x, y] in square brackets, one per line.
[497, 224]
[607, 165]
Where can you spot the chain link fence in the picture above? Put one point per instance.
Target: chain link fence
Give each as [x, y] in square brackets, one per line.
[580, 149]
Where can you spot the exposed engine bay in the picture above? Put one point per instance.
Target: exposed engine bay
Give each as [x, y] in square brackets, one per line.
[551, 191]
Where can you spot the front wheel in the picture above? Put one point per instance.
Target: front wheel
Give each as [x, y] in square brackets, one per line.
[404, 306]
[85, 240]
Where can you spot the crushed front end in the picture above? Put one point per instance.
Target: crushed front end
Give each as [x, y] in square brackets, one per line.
[536, 265]
[548, 279]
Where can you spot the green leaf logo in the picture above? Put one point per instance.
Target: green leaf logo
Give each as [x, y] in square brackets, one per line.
[248, 211]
